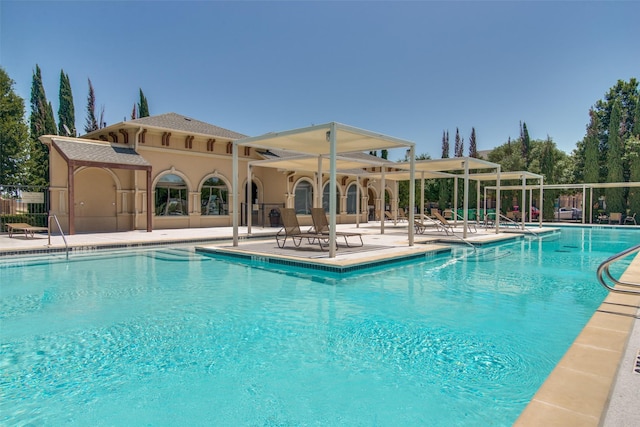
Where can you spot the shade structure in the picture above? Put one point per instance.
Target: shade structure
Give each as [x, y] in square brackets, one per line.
[445, 168]
[327, 141]
[522, 176]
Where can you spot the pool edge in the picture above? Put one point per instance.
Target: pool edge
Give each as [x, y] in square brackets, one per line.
[578, 390]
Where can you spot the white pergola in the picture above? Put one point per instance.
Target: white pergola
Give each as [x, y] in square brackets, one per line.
[522, 176]
[345, 165]
[446, 168]
[583, 187]
[325, 141]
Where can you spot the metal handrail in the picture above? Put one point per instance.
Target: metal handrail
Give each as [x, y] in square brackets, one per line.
[61, 233]
[603, 269]
[517, 225]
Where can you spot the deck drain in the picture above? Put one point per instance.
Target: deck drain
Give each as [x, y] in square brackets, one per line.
[636, 366]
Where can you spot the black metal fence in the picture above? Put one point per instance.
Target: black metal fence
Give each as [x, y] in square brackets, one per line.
[24, 203]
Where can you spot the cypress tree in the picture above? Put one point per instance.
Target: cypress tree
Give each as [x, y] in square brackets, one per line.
[615, 196]
[41, 123]
[134, 115]
[143, 106]
[445, 145]
[91, 123]
[591, 172]
[547, 161]
[633, 156]
[14, 133]
[473, 148]
[526, 146]
[66, 111]
[459, 147]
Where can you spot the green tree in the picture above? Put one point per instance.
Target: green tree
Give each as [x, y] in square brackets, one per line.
[143, 106]
[526, 145]
[627, 95]
[66, 111]
[547, 168]
[445, 144]
[41, 123]
[591, 172]
[615, 196]
[633, 158]
[14, 133]
[459, 147]
[473, 147]
[91, 123]
[430, 187]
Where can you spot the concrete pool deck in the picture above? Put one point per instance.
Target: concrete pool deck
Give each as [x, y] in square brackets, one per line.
[594, 384]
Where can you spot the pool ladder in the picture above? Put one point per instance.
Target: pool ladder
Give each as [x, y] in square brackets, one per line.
[603, 272]
[61, 232]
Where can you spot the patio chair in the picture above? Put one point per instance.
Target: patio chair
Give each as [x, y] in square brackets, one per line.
[29, 230]
[321, 226]
[446, 225]
[615, 217]
[402, 216]
[631, 219]
[291, 229]
[388, 216]
[421, 225]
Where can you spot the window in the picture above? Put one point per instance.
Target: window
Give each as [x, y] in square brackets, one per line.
[214, 197]
[304, 197]
[325, 198]
[352, 197]
[171, 196]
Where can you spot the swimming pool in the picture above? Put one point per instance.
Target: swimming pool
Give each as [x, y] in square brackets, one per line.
[172, 337]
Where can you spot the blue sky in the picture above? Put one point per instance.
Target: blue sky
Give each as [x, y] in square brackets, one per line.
[407, 69]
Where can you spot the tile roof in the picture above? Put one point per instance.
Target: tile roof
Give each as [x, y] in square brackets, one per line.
[185, 124]
[95, 152]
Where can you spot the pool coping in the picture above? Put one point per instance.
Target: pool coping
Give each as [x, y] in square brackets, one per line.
[579, 389]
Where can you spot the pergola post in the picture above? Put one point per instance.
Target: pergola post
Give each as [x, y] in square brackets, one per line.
[332, 189]
[465, 200]
[382, 200]
[524, 200]
[234, 185]
[249, 204]
[498, 200]
[412, 193]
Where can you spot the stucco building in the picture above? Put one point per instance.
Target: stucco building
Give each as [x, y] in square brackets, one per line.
[172, 171]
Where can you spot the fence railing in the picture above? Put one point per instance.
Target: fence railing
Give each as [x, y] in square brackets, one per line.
[24, 203]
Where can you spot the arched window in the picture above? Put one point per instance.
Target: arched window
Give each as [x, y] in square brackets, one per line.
[214, 197]
[352, 197]
[171, 196]
[325, 198]
[304, 197]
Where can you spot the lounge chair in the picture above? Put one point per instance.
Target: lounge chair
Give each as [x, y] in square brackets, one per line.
[388, 216]
[321, 226]
[421, 225]
[291, 229]
[29, 230]
[402, 216]
[631, 219]
[446, 225]
[615, 217]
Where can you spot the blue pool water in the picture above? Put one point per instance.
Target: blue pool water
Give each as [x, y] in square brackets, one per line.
[172, 337]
